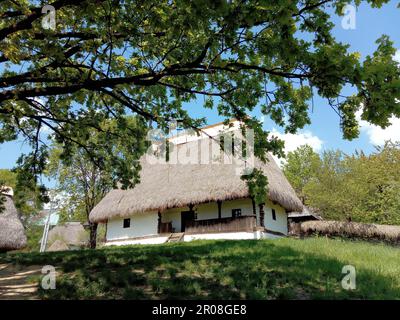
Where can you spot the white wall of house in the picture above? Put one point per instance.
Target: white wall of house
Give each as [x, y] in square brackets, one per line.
[149, 240]
[223, 236]
[208, 211]
[174, 216]
[146, 224]
[213, 130]
[244, 204]
[142, 224]
[280, 224]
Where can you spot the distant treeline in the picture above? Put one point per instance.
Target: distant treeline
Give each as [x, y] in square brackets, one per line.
[358, 187]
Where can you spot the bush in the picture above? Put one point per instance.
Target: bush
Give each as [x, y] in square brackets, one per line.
[34, 234]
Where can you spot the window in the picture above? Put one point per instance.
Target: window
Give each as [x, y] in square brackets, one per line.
[127, 223]
[273, 214]
[236, 213]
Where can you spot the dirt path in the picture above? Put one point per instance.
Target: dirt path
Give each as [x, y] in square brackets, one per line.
[17, 283]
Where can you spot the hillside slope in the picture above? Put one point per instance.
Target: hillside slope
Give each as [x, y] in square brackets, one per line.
[264, 269]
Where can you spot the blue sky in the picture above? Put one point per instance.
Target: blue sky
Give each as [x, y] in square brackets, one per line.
[324, 132]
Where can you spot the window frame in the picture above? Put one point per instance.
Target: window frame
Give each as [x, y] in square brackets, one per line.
[237, 212]
[126, 223]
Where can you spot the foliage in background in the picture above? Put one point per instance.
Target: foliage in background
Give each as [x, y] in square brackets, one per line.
[82, 182]
[300, 168]
[354, 187]
[34, 235]
[8, 178]
[257, 184]
[28, 199]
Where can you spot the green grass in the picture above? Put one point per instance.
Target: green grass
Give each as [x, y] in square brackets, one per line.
[264, 269]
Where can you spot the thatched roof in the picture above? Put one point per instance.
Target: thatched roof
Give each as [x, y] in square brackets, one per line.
[58, 245]
[306, 213]
[12, 232]
[389, 233]
[165, 186]
[71, 233]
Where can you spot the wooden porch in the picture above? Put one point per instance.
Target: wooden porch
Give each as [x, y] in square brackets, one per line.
[221, 225]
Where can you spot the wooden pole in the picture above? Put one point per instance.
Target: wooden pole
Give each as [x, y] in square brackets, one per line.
[159, 222]
[262, 213]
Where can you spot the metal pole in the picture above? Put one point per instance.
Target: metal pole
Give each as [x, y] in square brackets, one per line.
[46, 231]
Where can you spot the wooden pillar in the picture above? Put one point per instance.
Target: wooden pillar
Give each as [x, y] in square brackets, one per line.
[219, 202]
[191, 207]
[106, 230]
[159, 222]
[254, 209]
[254, 206]
[262, 213]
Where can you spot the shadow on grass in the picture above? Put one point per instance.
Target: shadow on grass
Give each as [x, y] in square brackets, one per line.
[204, 270]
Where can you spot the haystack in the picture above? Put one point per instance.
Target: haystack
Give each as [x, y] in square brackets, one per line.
[388, 233]
[12, 232]
[58, 245]
[73, 234]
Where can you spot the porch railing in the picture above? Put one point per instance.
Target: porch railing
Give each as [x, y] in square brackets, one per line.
[242, 223]
[165, 227]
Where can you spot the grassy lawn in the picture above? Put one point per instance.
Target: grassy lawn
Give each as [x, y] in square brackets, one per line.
[264, 269]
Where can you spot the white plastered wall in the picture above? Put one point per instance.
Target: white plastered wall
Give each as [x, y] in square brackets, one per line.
[146, 224]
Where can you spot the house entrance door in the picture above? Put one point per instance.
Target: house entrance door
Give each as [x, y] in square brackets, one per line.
[186, 216]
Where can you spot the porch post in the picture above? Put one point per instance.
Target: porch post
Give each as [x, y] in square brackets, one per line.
[219, 202]
[254, 210]
[159, 222]
[191, 206]
[262, 213]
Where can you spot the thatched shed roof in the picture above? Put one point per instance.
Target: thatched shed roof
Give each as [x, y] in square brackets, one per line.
[305, 214]
[167, 185]
[12, 232]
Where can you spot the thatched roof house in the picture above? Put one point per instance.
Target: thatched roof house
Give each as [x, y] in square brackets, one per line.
[12, 232]
[197, 189]
[165, 186]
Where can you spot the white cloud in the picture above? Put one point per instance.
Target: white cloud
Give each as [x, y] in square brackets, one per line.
[293, 141]
[57, 199]
[45, 129]
[376, 134]
[397, 56]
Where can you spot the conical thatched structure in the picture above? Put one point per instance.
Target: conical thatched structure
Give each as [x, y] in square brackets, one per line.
[12, 232]
[167, 185]
[70, 233]
[58, 245]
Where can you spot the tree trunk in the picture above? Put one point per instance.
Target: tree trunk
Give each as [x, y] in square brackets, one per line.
[93, 235]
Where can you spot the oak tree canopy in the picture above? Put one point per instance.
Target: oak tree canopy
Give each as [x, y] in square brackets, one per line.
[109, 59]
